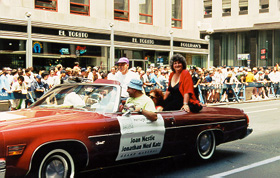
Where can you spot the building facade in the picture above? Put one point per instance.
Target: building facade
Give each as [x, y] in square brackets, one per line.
[97, 33]
[244, 32]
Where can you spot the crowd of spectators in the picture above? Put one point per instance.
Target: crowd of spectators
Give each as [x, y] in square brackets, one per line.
[154, 79]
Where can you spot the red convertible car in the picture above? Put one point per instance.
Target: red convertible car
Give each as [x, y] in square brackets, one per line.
[79, 127]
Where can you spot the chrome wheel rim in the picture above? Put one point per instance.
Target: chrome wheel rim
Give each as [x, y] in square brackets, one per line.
[205, 143]
[57, 167]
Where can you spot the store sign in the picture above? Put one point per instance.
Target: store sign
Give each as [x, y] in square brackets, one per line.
[243, 56]
[143, 41]
[80, 50]
[74, 34]
[64, 51]
[190, 45]
[37, 47]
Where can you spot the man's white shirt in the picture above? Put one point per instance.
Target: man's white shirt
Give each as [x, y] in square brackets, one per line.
[124, 80]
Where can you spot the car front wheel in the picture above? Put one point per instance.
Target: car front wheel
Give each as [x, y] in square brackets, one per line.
[58, 164]
[206, 145]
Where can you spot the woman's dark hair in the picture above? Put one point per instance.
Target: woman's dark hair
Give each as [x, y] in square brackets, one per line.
[158, 96]
[179, 58]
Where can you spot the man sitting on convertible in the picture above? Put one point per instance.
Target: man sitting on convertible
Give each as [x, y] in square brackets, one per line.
[143, 104]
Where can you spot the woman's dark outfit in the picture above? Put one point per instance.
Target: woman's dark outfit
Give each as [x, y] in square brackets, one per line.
[174, 100]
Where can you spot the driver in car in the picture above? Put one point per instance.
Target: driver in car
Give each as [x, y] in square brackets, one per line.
[143, 104]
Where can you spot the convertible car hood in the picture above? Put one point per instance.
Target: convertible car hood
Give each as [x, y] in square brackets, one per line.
[38, 116]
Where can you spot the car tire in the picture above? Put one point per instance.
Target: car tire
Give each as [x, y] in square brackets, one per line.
[57, 163]
[205, 145]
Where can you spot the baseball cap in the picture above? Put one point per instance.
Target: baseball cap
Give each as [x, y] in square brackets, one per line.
[135, 84]
[83, 70]
[38, 76]
[123, 60]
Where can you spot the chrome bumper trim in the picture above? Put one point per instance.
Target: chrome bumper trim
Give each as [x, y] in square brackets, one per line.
[2, 173]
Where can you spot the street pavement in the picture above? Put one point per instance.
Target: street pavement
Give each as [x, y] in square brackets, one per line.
[258, 155]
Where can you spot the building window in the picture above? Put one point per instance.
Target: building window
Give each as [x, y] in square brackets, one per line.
[226, 7]
[79, 7]
[176, 21]
[207, 8]
[243, 7]
[146, 11]
[121, 10]
[264, 6]
[46, 5]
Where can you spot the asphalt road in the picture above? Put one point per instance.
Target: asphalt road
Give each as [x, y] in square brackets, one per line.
[258, 155]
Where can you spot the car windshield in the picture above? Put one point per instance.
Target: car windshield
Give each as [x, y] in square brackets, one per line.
[99, 98]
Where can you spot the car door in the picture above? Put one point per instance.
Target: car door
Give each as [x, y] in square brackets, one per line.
[135, 136]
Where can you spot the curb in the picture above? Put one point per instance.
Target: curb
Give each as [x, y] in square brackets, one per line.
[240, 102]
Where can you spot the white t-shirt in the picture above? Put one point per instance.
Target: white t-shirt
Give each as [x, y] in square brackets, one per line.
[111, 76]
[17, 86]
[143, 102]
[124, 80]
[274, 77]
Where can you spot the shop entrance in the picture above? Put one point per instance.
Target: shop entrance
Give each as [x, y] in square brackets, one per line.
[138, 63]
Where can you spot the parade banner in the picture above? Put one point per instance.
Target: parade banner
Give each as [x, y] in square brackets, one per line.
[140, 136]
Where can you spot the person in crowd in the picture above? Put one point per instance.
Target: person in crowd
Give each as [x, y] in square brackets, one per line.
[58, 68]
[267, 82]
[260, 88]
[275, 79]
[138, 70]
[53, 79]
[180, 93]
[154, 79]
[76, 66]
[28, 78]
[211, 91]
[124, 76]
[196, 80]
[141, 76]
[143, 104]
[68, 71]
[63, 77]
[229, 80]
[157, 96]
[38, 87]
[19, 87]
[14, 75]
[89, 73]
[83, 72]
[219, 79]
[44, 79]
[4, 81]
[104, 75]
[147, 77]
[112, 74]
[94, 73]
[250, 77]
[162, 80]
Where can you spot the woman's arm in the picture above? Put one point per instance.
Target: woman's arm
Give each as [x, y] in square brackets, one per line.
[185, 106]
